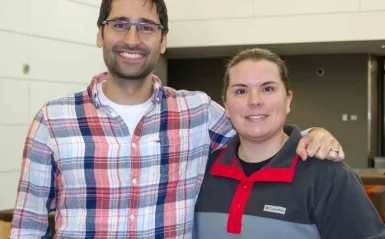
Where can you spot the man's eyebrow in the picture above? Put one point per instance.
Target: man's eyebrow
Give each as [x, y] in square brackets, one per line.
[120, 18]
[146, 20]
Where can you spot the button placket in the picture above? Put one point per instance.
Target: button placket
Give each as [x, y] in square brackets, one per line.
[234, 223]
[135, 172]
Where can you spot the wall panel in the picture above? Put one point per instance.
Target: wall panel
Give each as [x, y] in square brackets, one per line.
[213, 9]
[58, 61]
[14, 95]
[14, 50]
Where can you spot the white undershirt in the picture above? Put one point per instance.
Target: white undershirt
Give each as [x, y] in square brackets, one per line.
[131, 114]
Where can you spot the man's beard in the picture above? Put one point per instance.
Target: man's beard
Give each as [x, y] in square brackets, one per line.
[115, 68]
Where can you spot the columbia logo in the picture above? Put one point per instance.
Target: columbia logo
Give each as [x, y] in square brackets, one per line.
[274, 209]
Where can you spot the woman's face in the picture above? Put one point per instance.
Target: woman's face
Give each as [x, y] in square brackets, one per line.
[256, 100]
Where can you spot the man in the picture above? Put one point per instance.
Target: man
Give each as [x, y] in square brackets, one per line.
[126, 157]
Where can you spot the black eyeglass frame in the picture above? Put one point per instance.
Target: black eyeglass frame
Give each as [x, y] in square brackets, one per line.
[129, 24]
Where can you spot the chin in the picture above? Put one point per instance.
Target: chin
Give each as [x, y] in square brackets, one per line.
[256, 135]
[133, 75]
[263, 134]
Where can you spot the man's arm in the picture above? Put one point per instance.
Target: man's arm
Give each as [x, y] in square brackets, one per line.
[321, 144]
[341, 207]
[220, 128]
[36, 191]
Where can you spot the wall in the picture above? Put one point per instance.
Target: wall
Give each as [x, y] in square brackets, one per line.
[318, 101]
[222, 22]
[161, 69]
[60, 50]
[56, 38]
[373, 107]
[321, 101]
[197, 74]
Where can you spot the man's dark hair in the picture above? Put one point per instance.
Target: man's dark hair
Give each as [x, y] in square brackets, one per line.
[161, 9]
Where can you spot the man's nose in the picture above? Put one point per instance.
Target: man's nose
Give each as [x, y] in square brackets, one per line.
[132, 36]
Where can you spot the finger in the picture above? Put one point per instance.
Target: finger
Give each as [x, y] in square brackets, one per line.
[324, 150]
[301, 148]
[341, 155]
[303, 156]
[320, 155]
[317, 139]
[313, 148]
[332, 156]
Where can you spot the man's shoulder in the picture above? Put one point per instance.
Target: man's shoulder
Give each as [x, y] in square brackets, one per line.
[66, 101]
[78, 96]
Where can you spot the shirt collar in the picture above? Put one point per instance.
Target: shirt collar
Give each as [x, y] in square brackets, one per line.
[280, 169]
[288, 150]
[92, 89]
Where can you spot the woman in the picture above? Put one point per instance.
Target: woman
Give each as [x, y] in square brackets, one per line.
[257, 187]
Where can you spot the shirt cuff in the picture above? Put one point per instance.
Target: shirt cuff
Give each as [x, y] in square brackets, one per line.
[306, 131]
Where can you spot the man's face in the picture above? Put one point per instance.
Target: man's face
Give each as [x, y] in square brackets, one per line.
[130, 54]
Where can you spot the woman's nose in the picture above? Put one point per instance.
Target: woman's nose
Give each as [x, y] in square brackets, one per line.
[255, 99]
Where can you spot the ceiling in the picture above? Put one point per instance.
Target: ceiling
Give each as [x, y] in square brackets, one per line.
[373, 47]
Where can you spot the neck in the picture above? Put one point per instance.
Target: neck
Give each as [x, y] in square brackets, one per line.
[255, 152]
[127, 91]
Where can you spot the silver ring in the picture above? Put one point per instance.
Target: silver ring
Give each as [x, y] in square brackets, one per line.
[334, 150]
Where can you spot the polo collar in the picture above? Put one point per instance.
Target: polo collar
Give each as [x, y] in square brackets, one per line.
[280, 169]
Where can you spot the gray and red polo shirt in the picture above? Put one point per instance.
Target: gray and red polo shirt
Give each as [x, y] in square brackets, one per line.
[288, 198]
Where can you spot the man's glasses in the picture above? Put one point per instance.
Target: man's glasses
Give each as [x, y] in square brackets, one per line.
[144, 28]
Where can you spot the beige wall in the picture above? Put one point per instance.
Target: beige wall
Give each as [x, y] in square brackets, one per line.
[60, 50]
[246, 22]
[56, 38]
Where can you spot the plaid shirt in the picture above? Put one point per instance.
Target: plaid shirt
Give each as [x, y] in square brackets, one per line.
[80, 160]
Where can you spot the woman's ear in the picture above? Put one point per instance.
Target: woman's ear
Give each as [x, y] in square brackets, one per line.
[227, 112]
[288, 101]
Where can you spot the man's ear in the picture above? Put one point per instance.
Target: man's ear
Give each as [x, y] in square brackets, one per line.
[99, 37]
[163, 44]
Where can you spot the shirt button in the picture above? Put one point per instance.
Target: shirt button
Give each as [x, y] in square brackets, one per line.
[132, 217]
[134, 181]
[238, 206]
[134, 145]
[245, 187]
